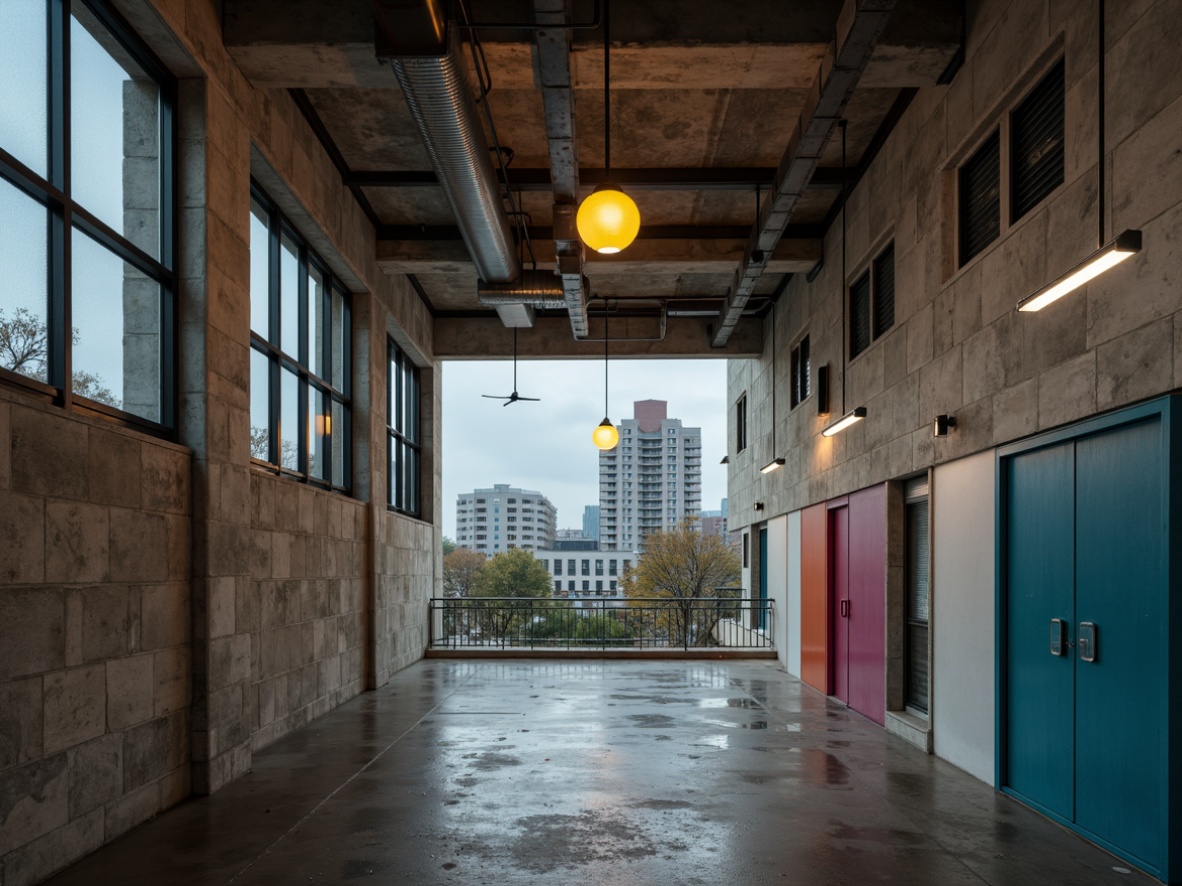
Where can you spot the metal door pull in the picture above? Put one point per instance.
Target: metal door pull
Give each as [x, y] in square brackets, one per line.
[1087, 641]
[1058, 636]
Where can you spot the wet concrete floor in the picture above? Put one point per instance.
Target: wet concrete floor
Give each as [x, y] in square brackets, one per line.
[513, 772]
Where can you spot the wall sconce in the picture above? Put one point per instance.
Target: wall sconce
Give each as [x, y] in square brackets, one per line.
[726, 460]
[852, 417]
[774, 465]
[1127, 244]
[942, 424]
[759, 506]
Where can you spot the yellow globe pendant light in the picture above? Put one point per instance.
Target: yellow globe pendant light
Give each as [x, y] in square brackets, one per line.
[605, 436]
[608, 220]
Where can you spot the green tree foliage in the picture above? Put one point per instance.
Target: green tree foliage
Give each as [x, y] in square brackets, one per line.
[689, 569]
[513, 573]
[448, 545]
[461, 572]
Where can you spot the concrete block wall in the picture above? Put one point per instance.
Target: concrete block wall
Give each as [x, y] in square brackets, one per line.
[957, 345]
[94, 633]
[168, 609]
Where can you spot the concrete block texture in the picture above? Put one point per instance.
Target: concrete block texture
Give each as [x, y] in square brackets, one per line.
[75, 707]
[50, 455]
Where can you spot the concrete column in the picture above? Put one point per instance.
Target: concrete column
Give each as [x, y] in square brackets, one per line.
[141, 221]
[215, 420]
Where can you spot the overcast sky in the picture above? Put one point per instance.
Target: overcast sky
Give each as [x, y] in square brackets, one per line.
[547, 446]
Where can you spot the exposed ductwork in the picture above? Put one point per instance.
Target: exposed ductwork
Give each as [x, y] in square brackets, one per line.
[860, 24]
[539, 289]
[414, 36]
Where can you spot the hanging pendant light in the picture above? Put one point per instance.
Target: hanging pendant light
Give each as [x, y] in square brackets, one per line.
[608, 220]
[605, 436]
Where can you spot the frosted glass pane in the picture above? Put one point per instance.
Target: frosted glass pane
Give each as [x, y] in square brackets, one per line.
[24, 232]
[115, 133]
[24, 71]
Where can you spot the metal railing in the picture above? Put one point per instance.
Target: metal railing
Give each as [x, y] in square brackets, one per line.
[616, 623]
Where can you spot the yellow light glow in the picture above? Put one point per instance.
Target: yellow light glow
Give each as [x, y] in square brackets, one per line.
[324, 425]
[608, 220]
[605, 436]
[850, 418]
[1128, 243]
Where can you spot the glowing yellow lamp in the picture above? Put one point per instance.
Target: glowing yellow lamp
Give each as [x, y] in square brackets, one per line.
[608, 220]
[605, 436]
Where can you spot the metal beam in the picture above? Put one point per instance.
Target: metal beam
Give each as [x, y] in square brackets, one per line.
[739, 178]
[859, 25]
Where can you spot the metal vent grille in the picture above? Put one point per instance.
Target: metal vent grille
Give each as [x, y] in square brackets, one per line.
[860, 315]
[1037, 143]
[884, 291]
[980, 199]
[918, 599]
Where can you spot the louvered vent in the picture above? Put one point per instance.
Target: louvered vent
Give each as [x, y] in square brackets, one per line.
[980, 199]
[884, 291]
[1037, 140]
[860, 315]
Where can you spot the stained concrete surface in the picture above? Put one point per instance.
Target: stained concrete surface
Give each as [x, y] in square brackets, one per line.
[602, 773]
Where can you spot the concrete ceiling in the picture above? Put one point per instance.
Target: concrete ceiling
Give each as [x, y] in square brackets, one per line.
[706, 97]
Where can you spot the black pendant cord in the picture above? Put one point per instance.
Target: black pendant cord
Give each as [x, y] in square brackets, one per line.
[842, 124]
[605, 341]
[1100, 128]
[607, 92]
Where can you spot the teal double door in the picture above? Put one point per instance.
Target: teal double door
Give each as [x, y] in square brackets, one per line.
[1084, 639]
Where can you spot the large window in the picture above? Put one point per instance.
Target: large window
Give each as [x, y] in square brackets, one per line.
[301, 355]
[405, 434]
[87, 187]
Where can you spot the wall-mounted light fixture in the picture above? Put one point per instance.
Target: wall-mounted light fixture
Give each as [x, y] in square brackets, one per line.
[726, 460]
[1127, 244]
[759, 506]
[1107, 255]
[774, 465]
[942, 424]
[852, 417]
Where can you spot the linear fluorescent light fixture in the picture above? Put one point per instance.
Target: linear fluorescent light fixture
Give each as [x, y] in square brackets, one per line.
[852, 417]
[1093, 266]
[774, 465]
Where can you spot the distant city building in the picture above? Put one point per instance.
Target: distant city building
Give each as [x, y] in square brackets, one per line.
[591, 521]
[724, 508]
[652, 480]
[580, 543]
[502, 518]
[714, 524]
[585, 574]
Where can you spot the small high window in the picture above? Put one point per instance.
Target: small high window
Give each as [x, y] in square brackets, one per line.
[872, 302]
[980, 199]
[799, 370]
[741, 424]
[1036, 144]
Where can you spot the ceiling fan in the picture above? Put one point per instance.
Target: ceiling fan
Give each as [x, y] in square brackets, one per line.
[514, 397]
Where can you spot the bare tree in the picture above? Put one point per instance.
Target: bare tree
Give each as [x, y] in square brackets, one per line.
[24, 348]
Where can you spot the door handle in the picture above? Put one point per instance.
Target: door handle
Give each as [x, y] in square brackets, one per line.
[1058, 636]
[844, 608]
[1087, 641]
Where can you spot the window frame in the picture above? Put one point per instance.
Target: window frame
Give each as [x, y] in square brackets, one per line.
[64, 216]
[870, 278]
[741, 423]
[279, 227]
[800, 386]
[398, 359]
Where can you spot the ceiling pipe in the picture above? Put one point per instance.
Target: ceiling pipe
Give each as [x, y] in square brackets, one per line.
[859, 25]
[553, 44]
[541, 289]
[425, 55]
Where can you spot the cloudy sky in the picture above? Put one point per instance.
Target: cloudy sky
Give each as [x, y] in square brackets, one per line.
[547, 446]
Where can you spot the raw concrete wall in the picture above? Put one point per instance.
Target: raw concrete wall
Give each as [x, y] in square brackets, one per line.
[94, 634]
[957, 345]
[962, 613]
[166, 610]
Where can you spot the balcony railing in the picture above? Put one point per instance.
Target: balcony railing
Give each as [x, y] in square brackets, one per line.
[639, 624]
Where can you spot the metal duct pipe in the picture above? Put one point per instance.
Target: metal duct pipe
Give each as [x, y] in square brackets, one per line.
[540, 289]
[413, 36]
